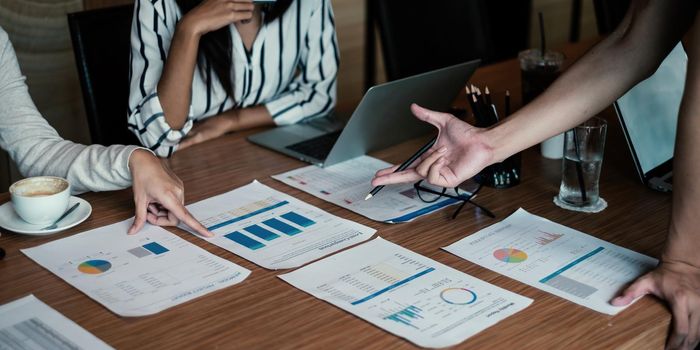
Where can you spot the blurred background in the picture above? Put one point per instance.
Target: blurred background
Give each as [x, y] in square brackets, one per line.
[39, 32]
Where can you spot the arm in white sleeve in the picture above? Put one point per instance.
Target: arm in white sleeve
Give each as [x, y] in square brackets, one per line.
[36, 147]
[313, 92]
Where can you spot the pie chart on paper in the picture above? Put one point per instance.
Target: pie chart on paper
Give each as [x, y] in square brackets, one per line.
[94, 267]
[510, 255]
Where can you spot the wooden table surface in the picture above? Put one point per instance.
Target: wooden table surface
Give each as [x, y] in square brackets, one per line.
[264, 312]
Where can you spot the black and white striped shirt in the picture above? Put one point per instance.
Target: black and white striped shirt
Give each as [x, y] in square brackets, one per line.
[291, 69]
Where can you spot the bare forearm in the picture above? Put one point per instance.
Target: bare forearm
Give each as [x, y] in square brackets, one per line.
[627, 56]
[175, 85]
[683, 240]
[248, 118]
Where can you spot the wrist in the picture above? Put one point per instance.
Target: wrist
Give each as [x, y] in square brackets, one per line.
[138, 157]
[493, 141]
[234, 120]
[188, 29]
[681, 248]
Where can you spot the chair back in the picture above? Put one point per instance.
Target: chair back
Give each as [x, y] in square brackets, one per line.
[609, 14]
[418, 36]
[101, 43]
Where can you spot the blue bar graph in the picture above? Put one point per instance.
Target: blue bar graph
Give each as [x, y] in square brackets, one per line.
[282, 227]
[246, 216]
[155, 248]
[261, 232]
[244, 240]
[406, 315]
[298, 219]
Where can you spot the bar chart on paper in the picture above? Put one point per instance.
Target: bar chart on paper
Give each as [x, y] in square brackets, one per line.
[136, 275]
[555, 258]
[407, 294]
[272, 229]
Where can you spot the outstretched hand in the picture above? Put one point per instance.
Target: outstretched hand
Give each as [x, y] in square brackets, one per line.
[159, 195]
[459, 153]
[679, 284]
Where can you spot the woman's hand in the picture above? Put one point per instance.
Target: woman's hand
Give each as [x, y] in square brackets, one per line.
[209, 129]
[461, 151]
[212, 15]
[158, 195]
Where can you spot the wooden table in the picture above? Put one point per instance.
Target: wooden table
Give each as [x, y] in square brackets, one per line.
[264, 312]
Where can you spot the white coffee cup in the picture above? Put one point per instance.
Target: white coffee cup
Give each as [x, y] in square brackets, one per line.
[40, 200]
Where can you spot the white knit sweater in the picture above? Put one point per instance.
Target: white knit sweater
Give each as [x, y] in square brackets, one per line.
[36, 147]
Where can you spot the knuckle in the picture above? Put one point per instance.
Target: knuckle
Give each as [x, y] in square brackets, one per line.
[680, 295]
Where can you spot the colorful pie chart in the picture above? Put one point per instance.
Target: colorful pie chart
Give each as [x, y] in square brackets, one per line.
[94, 267]
[510, 255]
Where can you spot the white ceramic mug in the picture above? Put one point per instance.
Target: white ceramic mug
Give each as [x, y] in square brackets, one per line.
[40, 200]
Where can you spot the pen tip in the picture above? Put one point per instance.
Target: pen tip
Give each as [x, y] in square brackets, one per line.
[368, 196]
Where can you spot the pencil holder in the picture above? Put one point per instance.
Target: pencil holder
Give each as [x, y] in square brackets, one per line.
[505, 174]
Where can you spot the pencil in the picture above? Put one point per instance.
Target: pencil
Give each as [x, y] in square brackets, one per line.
[405, 164]
[487, 94]
[472, 103]
[507, 104]
[478, 112]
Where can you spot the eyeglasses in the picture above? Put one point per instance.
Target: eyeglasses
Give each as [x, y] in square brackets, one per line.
[431, 195]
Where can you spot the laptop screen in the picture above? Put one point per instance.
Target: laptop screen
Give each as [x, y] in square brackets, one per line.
[649, 112]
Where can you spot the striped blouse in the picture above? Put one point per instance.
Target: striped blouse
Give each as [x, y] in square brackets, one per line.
[290, 69]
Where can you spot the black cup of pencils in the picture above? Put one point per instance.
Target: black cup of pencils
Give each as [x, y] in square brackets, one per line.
[506, 173]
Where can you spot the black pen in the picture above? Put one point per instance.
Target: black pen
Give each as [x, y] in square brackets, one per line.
[405, 164]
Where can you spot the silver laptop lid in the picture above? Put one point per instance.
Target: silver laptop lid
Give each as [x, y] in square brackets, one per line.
[649, 114]
[383, 117]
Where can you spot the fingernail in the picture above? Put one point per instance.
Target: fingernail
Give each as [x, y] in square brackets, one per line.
[442, 150]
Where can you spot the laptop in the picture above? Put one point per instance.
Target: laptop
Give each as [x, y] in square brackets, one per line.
[649, 114]
[382, 119]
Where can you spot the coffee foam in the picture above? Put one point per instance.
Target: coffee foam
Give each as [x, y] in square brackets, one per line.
[39, 186]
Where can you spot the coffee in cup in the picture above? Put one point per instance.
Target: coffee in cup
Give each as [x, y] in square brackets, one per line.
[40, 200]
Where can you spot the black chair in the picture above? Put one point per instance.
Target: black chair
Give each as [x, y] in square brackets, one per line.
[609, 14]
[417, 36]
[101, 43]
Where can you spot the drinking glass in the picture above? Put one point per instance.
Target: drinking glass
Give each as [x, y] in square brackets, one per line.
[581, 164]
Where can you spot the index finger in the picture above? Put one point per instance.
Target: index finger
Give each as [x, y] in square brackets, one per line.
[180, 212]
[386, 171]
[409, 175]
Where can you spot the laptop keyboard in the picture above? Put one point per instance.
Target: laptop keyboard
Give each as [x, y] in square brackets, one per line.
[317, 147]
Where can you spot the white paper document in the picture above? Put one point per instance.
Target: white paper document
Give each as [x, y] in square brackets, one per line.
[29, 324]
[407, 294]
[136, 275]
[555, 258]
[346, 184]
[272, 229]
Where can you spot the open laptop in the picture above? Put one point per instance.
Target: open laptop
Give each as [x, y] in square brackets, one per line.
[649, 114]
[383, 118]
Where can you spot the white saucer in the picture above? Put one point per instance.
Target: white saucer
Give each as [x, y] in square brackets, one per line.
[10, 221]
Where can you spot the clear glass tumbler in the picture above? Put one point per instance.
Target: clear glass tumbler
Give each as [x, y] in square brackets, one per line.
[582, 161]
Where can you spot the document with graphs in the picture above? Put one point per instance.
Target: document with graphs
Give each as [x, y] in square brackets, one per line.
[407, 294]
[346, 184]
[272, 229]
[136, 275]
[555, 258]
[27, 323]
